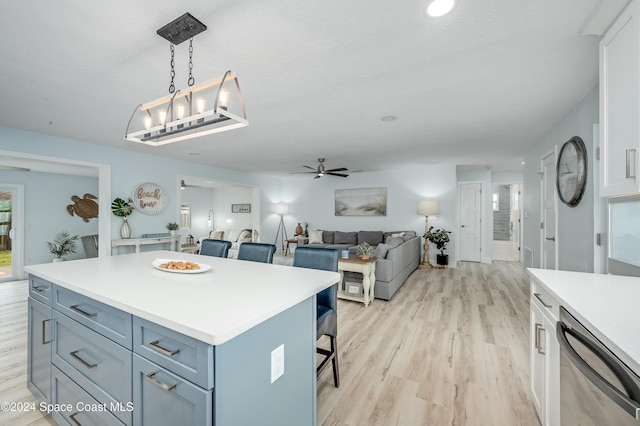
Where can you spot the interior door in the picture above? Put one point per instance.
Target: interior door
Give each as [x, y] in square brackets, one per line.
[470, 221]
[11, 236]
[549, 224]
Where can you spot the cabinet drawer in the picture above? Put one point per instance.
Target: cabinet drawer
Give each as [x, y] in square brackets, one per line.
[185, 356]
[40, 289]
[79, 407]
[98, 365]
[106, 320]
[162, 398]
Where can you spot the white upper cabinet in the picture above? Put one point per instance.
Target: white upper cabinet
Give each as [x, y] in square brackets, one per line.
[620, 105]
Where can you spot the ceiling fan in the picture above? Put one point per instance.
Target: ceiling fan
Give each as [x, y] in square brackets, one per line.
[320, 170]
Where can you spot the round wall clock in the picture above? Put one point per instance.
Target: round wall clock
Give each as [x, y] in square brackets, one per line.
[571, 171]
[150, 199]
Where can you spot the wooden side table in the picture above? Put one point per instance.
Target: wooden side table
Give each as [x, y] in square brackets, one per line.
[368, 270]
[286, 250]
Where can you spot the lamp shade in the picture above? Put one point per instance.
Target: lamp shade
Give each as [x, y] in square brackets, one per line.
[427, 207]
[281, 208]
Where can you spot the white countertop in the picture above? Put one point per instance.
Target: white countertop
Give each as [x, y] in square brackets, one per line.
[214, 306]
[607, 305]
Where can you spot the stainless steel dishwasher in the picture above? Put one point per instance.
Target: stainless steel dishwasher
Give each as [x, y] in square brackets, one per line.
[596, 388]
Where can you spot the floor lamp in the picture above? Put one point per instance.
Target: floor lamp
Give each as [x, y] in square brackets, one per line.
[426, 208]
[281, 209]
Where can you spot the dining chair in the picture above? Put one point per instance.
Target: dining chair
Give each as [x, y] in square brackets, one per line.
[217, 248]
[256, 252]
[327, 303]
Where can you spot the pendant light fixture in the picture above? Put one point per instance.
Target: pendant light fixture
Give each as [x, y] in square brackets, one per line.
[210, 107]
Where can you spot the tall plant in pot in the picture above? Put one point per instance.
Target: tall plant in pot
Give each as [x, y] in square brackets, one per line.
[62, 245]
[439, 238]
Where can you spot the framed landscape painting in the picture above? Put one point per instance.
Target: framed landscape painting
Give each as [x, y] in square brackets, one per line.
[361, 202]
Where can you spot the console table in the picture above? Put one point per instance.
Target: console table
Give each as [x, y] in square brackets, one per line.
[368, 270]
[172, 240]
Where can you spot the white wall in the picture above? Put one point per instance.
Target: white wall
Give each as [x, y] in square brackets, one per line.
[223, 198]
[46, 197]
[576, 237]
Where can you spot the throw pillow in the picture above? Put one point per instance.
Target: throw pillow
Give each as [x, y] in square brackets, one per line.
[245, 234]
[399, 234]
[394, 241]
[382, 250]
[216, 235]
[406, 237]
[315, 237]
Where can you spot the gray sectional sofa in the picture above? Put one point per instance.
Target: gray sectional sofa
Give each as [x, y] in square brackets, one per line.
[398, 254]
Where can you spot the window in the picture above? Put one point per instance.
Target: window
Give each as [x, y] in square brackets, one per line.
[496, 201]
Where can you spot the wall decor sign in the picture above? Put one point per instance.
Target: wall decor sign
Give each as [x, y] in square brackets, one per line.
[150, 199]
[240, 208]
[361, 202]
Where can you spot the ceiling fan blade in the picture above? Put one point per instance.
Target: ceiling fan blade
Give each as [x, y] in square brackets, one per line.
[336, 174]
[309, 167]
[341, 169]
[318, 176]
[294, 173]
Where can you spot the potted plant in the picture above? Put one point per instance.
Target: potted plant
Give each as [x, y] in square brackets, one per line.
[122, 208]
[440, 238]
[62, 245]
[364, 250]
[172, 227]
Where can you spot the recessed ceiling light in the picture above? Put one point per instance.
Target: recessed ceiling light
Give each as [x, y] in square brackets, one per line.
[437, 8]
[389, 118]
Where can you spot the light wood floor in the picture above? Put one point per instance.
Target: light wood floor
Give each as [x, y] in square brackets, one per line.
[451, 348]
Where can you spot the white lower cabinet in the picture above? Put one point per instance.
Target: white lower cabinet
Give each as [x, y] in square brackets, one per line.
[545, 356]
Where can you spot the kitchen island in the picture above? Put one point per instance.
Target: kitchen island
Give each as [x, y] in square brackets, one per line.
[232, 345]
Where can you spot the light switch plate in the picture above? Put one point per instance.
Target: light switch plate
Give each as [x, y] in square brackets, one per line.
[277, 363]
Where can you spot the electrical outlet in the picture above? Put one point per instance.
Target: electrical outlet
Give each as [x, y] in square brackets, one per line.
[277, 363]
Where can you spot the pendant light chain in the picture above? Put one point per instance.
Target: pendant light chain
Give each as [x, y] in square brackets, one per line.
[191, 79]
[172, 87]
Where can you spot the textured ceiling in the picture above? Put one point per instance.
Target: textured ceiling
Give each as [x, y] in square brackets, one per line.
[477, 87]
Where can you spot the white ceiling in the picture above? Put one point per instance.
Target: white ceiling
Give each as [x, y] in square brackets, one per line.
[477, 87]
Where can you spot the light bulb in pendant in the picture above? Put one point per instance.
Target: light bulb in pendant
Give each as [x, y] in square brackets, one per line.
[223, 99]
[201, 103]
[180, 111]
[162, 117]
[148, 122]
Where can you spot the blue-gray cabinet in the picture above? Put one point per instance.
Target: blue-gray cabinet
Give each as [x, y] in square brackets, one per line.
[39, 349]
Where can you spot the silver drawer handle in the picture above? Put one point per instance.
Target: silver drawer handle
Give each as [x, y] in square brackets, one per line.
[44, 330]
[165, 387]
[73, 417]
[629, 175]
[79, 358]
[537, 295]
[538, 339]
[169, 352]
[83, 312]
[39, 288]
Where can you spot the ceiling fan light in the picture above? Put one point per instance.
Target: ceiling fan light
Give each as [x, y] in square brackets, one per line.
[437, 8]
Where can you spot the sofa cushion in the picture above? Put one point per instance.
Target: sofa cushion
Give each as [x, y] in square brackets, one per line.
[315, 237]
[328, 236]
[346, 238]
[394, 241]
[372, 237]
[382, 250]
[407, 237]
